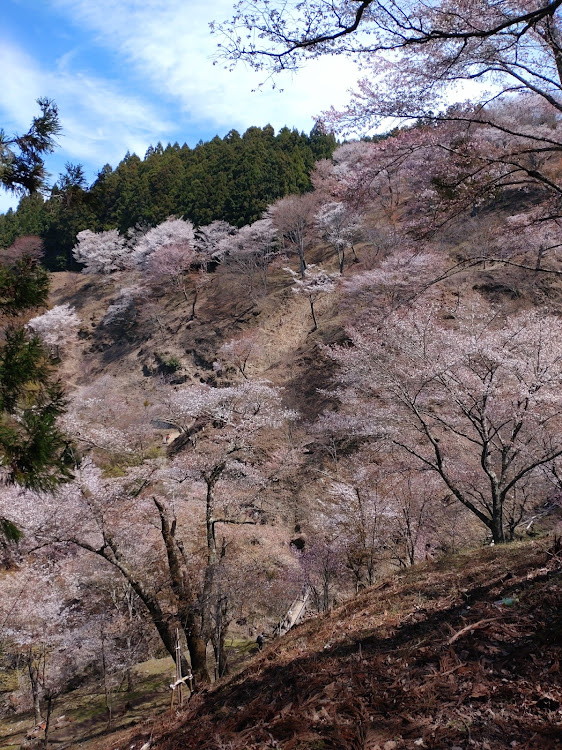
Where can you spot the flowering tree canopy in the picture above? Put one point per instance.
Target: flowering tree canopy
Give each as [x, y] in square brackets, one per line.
[339, 226]
[250, 252]
[441, 43]
[293, 218]
[169, 232]
[212, 239]
[57, 327]
[418, 56]
[315, 283]
[476, 403]
[101, 252]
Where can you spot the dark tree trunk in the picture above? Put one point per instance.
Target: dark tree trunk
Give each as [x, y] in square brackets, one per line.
[198, 655]
[496, 527]
[185, 600]
[315, 327]
[48, 721]
[302, 263]
[194, 302]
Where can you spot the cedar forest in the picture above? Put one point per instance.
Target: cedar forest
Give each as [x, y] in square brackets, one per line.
[293, 364]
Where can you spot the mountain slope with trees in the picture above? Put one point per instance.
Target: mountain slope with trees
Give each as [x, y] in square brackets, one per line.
[278, 395]
[231, 179]
[364, 378]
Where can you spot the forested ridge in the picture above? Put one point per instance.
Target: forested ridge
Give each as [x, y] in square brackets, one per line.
[232, 179]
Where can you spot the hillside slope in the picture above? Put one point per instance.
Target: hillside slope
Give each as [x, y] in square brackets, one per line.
[463, 653]
[364, 452]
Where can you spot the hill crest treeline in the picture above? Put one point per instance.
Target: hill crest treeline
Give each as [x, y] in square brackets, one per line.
[232, 178]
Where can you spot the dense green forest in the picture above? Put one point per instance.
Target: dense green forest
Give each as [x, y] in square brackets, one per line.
[232, 178]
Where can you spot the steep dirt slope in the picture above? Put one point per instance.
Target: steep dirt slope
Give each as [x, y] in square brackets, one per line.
[464, 653]
[159, 330]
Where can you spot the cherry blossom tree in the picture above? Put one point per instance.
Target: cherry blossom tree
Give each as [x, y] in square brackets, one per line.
[256, 403]
[419, 58]
[361, 522]
[416, 517]
[222, 431]
[400, 278]
[391, 177]
[37, 626]
[101, 252]
[155, 524]
[109, 418]
[62, 624]
[478, 403]
[250, 252]
[339, 226]
[168, 266]
[212, 239]
[57, 328]
[424, 178]
[173, 231]
[238, 351]
[314, 284]
[421, 51]
[293, 219]
[108, 518]
[534, 241]
[322, 568]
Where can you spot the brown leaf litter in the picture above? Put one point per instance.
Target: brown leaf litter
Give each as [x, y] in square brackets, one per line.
[463, 653]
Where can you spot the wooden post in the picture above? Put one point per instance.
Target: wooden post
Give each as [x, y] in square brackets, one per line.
[179, 682]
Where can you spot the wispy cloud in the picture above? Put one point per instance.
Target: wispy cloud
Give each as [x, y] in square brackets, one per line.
[93, 110]
[169, 43]
[128, 73]
[99, 120]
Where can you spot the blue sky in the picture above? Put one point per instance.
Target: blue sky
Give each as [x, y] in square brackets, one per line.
[129, 73]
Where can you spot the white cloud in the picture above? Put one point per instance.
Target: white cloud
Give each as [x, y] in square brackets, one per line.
[169, 43]
[158, 62]
[96, 117]
[102, 119]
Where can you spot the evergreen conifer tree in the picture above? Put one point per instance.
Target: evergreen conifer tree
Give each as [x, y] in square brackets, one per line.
[33, 451]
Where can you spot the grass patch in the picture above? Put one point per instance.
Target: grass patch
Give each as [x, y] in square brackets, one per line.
[87, 712]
